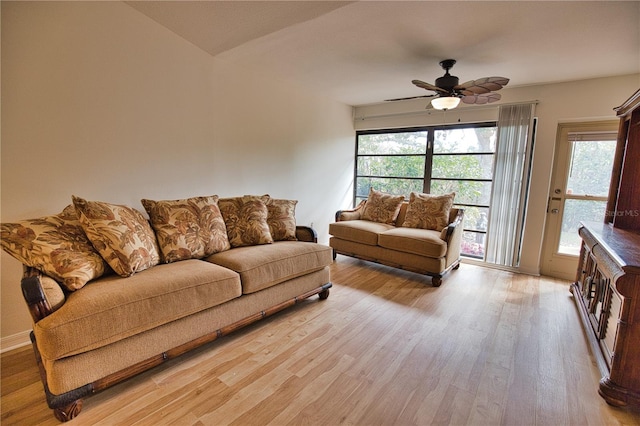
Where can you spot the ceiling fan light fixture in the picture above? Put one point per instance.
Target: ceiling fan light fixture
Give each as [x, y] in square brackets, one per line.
[445, 102]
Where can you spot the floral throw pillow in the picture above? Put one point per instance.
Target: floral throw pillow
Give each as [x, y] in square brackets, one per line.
[428, 211]
[55, 245]
[188, 229]
[281, 219]
[382, 207]
[246, 220]
[122, 236]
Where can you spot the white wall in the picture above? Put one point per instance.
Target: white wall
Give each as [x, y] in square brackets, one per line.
[101, 102]
[586, 100]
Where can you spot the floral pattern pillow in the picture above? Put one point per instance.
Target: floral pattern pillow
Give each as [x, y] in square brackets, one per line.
[122, 236]
[55, 245]
[246, 220]
[281, 218]
[428, 211]
[382, 207]
[188, 229]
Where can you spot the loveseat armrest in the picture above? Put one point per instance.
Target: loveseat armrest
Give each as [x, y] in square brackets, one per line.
[42, 294]
[353, 214]
[306, 233]
[453, 237]
[456, 224]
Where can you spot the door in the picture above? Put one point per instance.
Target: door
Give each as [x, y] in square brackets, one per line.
[580, 181]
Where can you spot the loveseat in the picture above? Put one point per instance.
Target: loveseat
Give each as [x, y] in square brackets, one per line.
[421, 235]
[113, 294]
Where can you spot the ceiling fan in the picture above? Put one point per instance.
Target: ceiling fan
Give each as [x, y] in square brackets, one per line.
[449, 93]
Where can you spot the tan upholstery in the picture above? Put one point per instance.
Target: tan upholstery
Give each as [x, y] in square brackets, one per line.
[64, 375]
[122, 307]
[422, 242]
[359, 231]
[263, 266]
[431, 252]
[398, 259]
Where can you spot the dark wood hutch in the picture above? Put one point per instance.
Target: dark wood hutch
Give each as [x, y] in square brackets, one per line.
[607, 287]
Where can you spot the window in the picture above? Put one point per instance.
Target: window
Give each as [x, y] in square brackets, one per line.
[587, 188]
[434, 160]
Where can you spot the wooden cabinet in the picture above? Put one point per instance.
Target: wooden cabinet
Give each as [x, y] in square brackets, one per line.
[607, 287]
[607, 293]
[623, 207]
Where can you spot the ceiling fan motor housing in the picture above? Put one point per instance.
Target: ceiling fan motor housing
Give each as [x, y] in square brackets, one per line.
[447, 82]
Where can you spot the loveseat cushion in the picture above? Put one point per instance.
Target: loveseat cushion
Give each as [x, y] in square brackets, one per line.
[382, 207]
[423, 242]
[264, 266]
[428, 211]
[114, 308]
[359, 231]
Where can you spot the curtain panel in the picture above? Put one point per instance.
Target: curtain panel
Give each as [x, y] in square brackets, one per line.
[512, 170]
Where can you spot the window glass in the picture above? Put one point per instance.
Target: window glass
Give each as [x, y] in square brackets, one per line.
[401, 165]
[574, 212]
[467, 192]
[466, 139]
[590, 167]
[463, 166]
[393, 143]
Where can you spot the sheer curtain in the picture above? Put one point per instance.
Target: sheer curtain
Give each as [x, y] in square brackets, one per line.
[510, 184]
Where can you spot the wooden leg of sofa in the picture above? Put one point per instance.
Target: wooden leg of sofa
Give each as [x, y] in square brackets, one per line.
[436, 281]
[457, 266]
[64, 414]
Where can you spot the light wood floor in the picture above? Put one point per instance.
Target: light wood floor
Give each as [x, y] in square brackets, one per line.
[488, 347]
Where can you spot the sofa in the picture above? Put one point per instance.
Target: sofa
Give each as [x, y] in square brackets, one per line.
[422, 234]
[113, 294]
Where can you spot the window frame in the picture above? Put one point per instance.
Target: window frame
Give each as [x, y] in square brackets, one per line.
[428, 155]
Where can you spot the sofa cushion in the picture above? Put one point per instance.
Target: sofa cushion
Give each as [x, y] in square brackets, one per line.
[265, 266]
[428, 211]
[246, 220]
[122, 236]
[382, 207]
[188, 229]
[281, 219]
[114, 308]
[359, 231]
[423, 242]
[55, 245]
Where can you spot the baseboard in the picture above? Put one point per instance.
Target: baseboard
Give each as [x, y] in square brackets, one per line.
[15, 341]
[518, 270]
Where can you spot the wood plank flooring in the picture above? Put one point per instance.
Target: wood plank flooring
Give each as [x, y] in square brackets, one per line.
[486, 348]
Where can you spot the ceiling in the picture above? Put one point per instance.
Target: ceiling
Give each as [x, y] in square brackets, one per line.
[367, 51]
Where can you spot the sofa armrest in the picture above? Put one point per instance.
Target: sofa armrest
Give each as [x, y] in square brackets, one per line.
[42, 294]
[306, 233]
[353, 214]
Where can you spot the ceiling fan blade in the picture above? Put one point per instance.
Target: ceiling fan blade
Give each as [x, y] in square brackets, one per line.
[410, 97]
[428, 86]
[480, 99]
[482, 85]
